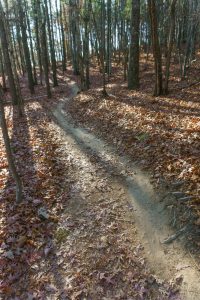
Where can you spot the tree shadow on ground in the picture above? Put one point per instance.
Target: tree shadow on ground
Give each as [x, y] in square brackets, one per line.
[156, 149]
[25, 235]
[158, 105]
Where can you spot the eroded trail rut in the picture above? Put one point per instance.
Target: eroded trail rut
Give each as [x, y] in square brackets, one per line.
[124, 180]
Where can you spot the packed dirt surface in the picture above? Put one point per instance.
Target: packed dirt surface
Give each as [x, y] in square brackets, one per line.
[128, 184]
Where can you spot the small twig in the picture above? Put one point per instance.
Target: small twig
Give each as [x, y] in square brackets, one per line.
[198, 268]
[165, 196]
[178, 194]
[35, 98]
[175, 235]
[187, 198]
[174, 219]
[177, 183]
[191, 84]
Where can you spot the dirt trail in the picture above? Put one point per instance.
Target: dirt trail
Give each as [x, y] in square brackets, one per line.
[128, 182]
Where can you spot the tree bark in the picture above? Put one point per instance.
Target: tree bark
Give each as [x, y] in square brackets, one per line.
[44, 50]
[6, 56]
[109, 44]
[102, 46]
[134, 51]
[64, 57]
[36, 9]
[51, 45]
[170, 44]
[86, 58]
[2, 72]
[26, 48]
[12, 167]
[31, 46]
[156, 48]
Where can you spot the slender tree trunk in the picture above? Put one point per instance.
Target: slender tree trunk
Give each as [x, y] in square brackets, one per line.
[125, 55]
[170, 45]
[156, 48]
[31, 47]
[108, 53]
[58, 31]
[134, 51]
[44, 51]
[64, 58]
[20, 50]
[86, 57]
[26, 48]
[36, 8]
[80, 52]
[7, 61]
[102, 45]
[51, 45]
[86, 19]
[98, 41]
[74, 34]
[9, 154]
[2, 72]
[15, 52]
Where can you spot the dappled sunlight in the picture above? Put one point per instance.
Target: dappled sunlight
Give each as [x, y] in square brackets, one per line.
[161, 132]
[26, 236]
[87, 146]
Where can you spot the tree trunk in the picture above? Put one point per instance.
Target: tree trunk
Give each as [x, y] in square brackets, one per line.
[108, 53]
[20, 50]
[170, 44]
[51, 45]
[25, 46]
[64, 58]
[9, 154]
[36, 9]
[156, 48]
[44, 50]
[74, 33]
[86, 19]
[6, 56]
[2, 72]
[31, 46]
[134, 51]
[102, 46]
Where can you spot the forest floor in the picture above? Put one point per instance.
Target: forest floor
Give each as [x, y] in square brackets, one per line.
[160, 134]
[81, 230]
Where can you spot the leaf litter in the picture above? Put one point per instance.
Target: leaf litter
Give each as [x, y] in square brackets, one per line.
[73, 236]
[162, 135]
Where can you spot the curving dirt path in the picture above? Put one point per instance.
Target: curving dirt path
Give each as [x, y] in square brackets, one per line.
[101, 173]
